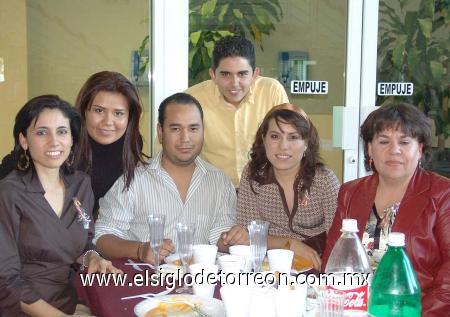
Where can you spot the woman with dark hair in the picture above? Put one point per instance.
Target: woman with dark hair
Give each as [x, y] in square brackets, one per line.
[286, 184]
[45, 225]
[110, 144]
[401, 196]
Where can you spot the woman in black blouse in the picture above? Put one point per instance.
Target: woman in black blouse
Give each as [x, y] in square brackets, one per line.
[45, 211]
[110, 141]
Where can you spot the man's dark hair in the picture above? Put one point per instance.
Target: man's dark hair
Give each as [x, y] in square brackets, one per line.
[178, 98]
[233, 46]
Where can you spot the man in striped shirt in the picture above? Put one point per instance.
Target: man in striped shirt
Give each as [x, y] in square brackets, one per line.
[177, 183]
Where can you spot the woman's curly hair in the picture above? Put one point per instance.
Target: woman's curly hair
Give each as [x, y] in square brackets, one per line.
[259, 165]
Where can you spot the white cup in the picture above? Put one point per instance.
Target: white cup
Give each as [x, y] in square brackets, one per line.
[201, 275]
[290, 298]
[244, 252]
[262, 302]
[231, 263]
[236, 300]
[280, 260]
[204, 253]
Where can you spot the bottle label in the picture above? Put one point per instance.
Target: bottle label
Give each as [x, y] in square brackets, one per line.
[356, 297]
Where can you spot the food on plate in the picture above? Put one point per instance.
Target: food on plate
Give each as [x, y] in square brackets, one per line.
[177, 262]
[169, 309]
[300, 263]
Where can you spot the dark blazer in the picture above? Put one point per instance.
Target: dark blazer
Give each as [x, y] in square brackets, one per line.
[424, 218]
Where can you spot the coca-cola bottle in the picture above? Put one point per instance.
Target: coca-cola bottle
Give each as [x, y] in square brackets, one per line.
[349, 270]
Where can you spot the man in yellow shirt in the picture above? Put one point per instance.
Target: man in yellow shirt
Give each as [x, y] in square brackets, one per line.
[234, 102]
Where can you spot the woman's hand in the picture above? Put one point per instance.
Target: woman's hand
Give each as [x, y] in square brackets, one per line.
[305, 251]
[97, 264]
[147, 254]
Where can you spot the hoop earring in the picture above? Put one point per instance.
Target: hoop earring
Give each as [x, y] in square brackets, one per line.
[371, 163]
[70, 159]
[24, 161]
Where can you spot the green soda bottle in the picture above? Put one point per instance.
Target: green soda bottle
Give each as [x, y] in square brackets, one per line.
[395, 290]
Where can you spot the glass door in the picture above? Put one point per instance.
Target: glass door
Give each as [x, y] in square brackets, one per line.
[413, 65]
[305, 41]
[295, 40]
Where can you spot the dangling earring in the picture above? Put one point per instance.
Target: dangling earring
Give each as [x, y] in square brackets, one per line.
[70, 159]
[24, 161]
[370, 163]
[420, 163]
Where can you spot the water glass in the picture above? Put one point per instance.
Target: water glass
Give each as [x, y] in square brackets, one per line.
[257, 230]
[185, 241]
[156, 224]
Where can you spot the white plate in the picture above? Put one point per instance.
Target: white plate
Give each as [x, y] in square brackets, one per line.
[171, 270]
[210, 306]
[170, 259]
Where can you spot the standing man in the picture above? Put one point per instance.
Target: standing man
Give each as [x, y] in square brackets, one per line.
[234, 101]
[176, 183]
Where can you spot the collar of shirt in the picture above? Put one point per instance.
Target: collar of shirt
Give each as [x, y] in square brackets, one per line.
[33, 184]
[155, 164]
[200, 172]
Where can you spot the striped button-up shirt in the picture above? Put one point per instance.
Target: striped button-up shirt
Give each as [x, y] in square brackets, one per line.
[210, 204]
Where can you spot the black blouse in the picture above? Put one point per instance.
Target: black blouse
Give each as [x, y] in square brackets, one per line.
[107, 166]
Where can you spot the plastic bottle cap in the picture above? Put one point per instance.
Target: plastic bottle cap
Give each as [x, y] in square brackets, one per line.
[396, 239]
[349, 225]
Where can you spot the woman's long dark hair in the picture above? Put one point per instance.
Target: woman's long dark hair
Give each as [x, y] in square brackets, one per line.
[31, 111]
[260, 166]
[132, 153]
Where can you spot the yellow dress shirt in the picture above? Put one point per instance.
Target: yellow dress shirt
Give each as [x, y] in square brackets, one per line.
[230, 130]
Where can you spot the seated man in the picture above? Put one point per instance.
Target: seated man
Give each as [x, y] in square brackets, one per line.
[177, 183]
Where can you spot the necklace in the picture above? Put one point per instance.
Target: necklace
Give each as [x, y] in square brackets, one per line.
[389, 214]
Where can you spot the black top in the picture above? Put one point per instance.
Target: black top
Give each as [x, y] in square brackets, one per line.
[107, 166]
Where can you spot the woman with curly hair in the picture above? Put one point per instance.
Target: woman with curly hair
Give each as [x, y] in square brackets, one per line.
[286, 184]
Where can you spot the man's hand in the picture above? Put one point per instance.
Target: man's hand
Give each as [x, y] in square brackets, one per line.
[236, 235]
[167, 248]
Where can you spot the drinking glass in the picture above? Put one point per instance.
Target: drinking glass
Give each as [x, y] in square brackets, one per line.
[185, 240]
[257, 230]
[156, 224]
